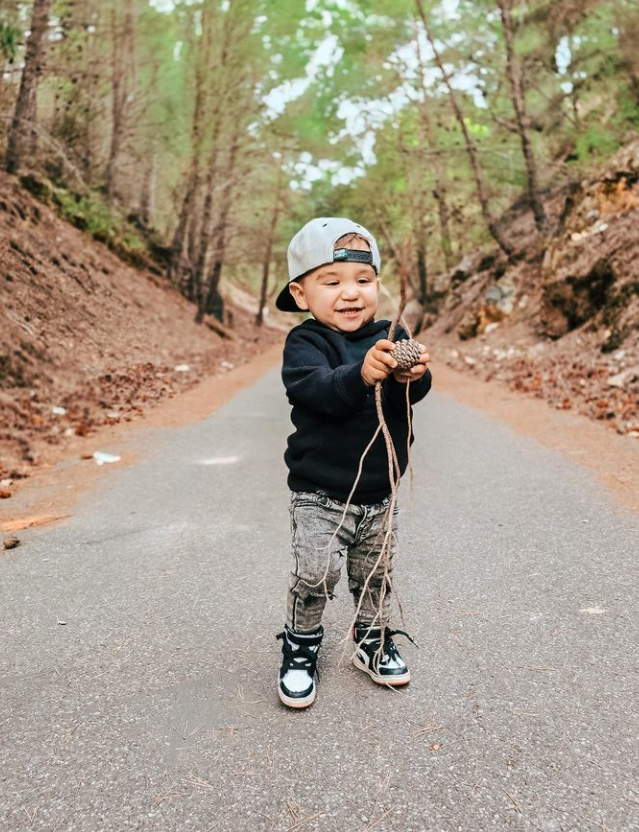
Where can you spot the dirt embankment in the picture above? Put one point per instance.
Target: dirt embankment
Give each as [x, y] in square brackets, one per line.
[561, 320]
[86, 340]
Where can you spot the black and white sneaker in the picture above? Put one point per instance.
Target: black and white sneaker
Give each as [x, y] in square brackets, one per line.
[378, 656]
[296, 685]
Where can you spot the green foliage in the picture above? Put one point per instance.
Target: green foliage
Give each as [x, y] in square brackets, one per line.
[9, 39]
[580, 81]
[595, 142]
[91, 214]
[87, 213]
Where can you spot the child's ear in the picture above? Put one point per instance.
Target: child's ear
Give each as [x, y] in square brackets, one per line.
[298, 295]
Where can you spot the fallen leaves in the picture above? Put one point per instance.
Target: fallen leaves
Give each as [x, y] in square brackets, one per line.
[605, 389]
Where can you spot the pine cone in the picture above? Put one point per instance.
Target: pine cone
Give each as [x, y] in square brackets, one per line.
[407, 354]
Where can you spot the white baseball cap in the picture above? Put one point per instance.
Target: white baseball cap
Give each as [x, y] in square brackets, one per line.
[314, 246]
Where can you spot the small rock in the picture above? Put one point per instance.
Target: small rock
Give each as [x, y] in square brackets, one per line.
[10, 542]
[182, 368]
[617, 381]
[59, 411]
[4, 494]
[622, 378]
[101, 457]
[491, 327]
[493, 294]
[5, 483]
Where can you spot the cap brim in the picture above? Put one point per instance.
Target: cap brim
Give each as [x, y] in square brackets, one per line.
[285, 301]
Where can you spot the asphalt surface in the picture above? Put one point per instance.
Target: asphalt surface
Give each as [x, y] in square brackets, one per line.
[138, 662]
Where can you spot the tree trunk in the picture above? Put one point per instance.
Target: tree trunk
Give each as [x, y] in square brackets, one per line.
[21, 134]
[211, 300]
[519, 104]
[179, 236]
[470, 145]
[122, 72]
[200, 260]
[439, 191]
[266, 263]
[148, 187]
[178, 243]
[422, 271]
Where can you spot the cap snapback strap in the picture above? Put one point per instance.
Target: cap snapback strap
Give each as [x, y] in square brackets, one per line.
[353, 254]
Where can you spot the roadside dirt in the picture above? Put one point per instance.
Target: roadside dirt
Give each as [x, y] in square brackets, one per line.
[559, 322]
[87, 341]
[49, 494]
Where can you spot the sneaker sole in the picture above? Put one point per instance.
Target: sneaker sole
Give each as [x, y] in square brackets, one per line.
[297, 703]
[393, 681]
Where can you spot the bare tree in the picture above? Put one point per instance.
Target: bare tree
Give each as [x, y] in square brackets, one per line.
[178, 243]
[123, 36]
[521, 117]
[440, 193]
[210, 300]
[470, 145]
[21, 134]
[270, 238]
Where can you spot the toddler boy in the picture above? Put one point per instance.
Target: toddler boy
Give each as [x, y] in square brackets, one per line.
[330, 366]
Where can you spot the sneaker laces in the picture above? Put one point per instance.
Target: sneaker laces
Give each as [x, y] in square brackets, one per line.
[303, 658]
[389, 650]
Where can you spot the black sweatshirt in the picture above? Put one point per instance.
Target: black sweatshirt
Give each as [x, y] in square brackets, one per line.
[334, 412]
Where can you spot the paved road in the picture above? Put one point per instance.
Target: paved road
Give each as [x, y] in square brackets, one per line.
[154, 707]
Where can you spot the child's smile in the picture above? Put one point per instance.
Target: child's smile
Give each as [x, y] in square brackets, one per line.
[341, 295]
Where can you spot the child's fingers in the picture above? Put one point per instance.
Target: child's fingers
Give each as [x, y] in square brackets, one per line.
[383, 356]
[384, 344]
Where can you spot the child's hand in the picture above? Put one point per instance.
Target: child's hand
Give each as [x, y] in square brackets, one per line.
[378, 362]
[415, 372]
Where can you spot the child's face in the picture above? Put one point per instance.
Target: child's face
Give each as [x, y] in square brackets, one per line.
[342, 295]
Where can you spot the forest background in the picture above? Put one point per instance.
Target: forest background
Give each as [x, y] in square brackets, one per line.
[479, 140]
[208, 132]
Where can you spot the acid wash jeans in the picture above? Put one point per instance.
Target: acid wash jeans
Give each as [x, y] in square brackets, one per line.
[314, 519]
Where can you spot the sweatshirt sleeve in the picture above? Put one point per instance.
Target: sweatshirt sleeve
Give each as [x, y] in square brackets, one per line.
[311, 381]
[395, 391]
